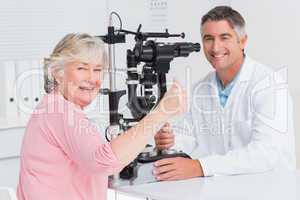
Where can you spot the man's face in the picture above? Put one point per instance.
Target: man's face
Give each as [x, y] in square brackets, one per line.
[222, 46]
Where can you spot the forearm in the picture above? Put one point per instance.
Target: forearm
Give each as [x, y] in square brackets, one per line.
[130, 143]
[254, 158]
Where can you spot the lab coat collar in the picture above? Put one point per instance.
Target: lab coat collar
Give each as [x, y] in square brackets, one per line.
[244, 74]
[246, 70]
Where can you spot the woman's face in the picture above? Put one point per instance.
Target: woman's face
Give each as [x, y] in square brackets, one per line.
[81, 82]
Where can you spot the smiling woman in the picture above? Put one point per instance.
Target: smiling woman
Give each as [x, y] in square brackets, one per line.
[77, 63]
[63, 156]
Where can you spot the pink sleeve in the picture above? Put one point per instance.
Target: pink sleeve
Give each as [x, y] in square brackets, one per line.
[81, 142]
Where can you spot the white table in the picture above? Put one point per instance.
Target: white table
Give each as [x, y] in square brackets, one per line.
[269, 186]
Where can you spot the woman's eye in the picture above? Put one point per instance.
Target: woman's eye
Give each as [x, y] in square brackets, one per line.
[97, 70]
[82, 68]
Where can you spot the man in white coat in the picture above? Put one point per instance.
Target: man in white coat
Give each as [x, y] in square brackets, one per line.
[241, 113]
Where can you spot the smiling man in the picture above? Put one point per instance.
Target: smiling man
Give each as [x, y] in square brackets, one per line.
[241, 113]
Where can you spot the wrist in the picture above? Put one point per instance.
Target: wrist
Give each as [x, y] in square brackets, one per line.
[156, 119]
[163, 111]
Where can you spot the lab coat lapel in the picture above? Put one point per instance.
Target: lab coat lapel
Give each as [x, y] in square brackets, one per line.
[241, 83]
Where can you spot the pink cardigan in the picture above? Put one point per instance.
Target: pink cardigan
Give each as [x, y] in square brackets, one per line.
[63, 156]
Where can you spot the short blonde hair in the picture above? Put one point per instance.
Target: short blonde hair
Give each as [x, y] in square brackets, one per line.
[73, 47]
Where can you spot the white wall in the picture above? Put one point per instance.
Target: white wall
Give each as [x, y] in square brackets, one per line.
[273, 38]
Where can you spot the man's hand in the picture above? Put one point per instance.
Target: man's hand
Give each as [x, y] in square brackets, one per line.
[177, 169]
[164, 139]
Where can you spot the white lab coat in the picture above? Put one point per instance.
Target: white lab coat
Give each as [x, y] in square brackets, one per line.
[254, 131]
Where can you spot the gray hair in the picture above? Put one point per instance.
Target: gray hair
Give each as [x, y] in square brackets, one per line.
[234, 18]
[73, 47]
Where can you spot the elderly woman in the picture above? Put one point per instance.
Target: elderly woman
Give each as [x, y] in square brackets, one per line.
[63, 157]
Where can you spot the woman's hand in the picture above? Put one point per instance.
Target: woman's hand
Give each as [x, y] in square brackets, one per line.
[174, 101]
